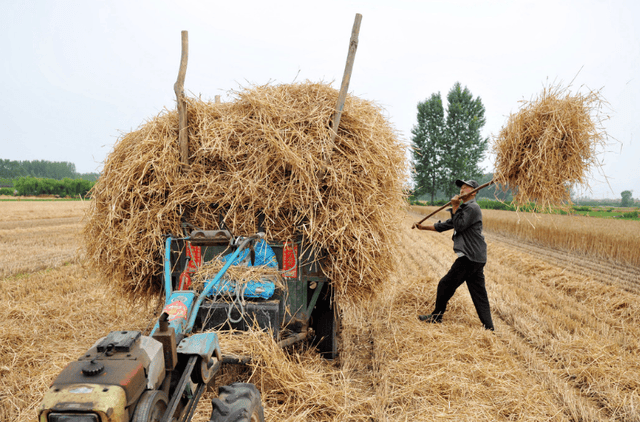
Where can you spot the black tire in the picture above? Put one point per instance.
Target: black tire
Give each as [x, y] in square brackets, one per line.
[238, 402]
[325, 324]
[150, 407]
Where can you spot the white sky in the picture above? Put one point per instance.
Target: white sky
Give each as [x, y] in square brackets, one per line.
[75, 75]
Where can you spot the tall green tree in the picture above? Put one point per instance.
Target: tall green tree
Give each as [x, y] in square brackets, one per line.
[451, 148]
[627, 200]
[428, 146]
[465, 145]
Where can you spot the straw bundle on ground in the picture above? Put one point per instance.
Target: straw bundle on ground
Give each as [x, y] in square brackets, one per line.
[297, 384]
[549, 146]
[261, 152]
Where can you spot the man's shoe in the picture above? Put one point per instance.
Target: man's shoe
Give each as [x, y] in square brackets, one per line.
[431, 318]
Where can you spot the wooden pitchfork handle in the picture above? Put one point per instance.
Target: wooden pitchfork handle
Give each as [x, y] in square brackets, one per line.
[449, 203]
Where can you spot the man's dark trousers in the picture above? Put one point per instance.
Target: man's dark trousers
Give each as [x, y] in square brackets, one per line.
[473, 273]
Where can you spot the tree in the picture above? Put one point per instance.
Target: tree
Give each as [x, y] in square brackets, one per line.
[428, 145]
[445, 150]
[25, 186]
[627, 200]
[10, 169]
[465, 145]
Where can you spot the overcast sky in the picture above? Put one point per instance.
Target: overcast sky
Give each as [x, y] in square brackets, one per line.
[76, 75]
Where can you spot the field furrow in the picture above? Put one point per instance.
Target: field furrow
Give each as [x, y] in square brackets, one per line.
[585, 347]
[625, 276]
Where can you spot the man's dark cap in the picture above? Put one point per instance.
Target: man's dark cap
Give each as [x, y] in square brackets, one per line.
[471, 183]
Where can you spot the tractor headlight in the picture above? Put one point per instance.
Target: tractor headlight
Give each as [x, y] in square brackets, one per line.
[73, 417]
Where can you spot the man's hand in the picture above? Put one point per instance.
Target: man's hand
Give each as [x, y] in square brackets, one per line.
[421, 227]
[455, 203]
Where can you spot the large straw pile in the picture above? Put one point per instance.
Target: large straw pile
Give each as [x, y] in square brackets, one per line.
[261, 152]
[549, 146]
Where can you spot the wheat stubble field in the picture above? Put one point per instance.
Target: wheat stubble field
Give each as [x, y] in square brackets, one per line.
[566, 346]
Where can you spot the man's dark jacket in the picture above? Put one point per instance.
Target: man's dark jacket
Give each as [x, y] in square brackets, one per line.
[467, 233]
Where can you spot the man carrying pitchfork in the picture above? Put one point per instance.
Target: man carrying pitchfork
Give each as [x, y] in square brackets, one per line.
[469, 245]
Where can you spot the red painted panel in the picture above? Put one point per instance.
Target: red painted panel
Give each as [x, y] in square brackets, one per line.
[195, 253]
[290, 260]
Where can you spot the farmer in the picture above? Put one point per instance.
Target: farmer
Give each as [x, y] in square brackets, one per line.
[469, 245]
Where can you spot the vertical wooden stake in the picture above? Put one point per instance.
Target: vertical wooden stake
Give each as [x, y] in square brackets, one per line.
[178, 87]
[346, 78]
[217, 99]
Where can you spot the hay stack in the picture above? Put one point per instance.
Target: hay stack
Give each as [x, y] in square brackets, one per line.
[262, 151]
[549, 146]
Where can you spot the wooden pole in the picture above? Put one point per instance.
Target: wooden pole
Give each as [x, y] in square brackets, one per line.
[217, 97]
[342, 96]
[449, 203]
[178, 87]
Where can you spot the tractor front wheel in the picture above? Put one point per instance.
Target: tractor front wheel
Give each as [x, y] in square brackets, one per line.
[238, 402]
[151, 407]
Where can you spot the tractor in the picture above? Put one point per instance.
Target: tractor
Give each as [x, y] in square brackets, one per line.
[128, 376]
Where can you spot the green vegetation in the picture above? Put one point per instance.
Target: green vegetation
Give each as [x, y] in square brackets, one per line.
[633, 215]
[43, 199]
[600, 212]
[626, 200]
[446, 148]
[488, 204]
[31, 186]
[10, 170]
[41, 177]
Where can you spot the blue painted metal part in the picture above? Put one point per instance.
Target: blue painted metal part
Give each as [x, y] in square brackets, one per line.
[204, 344]
[178, 306]
[192, 309]
[209, 285]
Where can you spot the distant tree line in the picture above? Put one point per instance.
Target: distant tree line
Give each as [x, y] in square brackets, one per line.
[33, 186]
[12, 169]
[42, 177]
[626, 200]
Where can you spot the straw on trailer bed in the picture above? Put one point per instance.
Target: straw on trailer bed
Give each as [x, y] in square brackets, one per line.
[261, 152]
[239, 274]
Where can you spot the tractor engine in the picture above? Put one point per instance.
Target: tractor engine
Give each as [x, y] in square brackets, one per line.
[106, 383]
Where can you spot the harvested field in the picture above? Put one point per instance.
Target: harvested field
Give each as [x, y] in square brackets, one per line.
[38, 235]
[566, 346]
